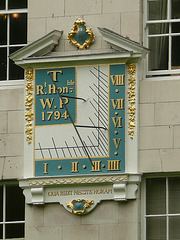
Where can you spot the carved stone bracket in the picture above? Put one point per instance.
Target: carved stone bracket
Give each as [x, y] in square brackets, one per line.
[119, 191]
[28, 105]
[131, 99]
[37, 196]
[83, 197]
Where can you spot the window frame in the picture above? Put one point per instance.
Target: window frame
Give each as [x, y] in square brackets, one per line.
[144, 216]
[8, 12]
[166, 74]
[4, 222]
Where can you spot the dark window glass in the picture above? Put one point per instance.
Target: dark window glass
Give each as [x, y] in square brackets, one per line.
[3, 63]
[176, 27]
[14, 230]
[156, 196]
[15, 4]
[158, 56]
[158, 28]
[1, 203]
[174, 229]
[18, 30]
[175, 9]
[174, 195]
[156, 228]
[2, 4]
[157, 9]
[14, 204]
[1, 231]
[15, 72]
[3, 31]
[175, 51]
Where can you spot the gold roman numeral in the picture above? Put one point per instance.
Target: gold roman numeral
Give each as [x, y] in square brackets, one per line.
[113, 165]
[74, 167]
[116, 142]
[45, 168]
[96, 166]
[118, 103]
[117, 80]
[117, 121]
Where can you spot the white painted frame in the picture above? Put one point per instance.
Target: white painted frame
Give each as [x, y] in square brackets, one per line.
[170, 35]
[4, 222]
[8, 45]
[144, 216]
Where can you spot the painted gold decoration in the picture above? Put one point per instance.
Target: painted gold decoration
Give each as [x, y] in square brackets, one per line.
[131, 99]
[80, 36]
[28, 105]
[79, 180]
[79, 206]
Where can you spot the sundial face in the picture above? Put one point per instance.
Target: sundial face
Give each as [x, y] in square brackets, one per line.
[79, 120]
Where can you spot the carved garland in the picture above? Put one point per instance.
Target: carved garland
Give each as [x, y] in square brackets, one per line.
[131, 99]
[79, 180]
[28, 104]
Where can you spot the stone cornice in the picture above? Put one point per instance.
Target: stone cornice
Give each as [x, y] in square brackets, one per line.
[40, 47]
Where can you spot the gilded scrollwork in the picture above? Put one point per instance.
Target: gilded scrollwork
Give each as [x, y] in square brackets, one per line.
[28, 105]
[131, 99]
[79, 180]
[79, 206]
[80, 36]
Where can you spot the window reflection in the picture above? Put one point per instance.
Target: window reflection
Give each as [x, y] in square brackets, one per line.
[2, 4]
[18, 23]
[157, 9]
[3, 63]
[176, 51]
[158, 56]
[15, 72]
[156, 228]
[15, 4]
[1, 203]
[158, 28]
[155, 196]
[3, 27]
[175, 9]
[14, 231]
[13, 31]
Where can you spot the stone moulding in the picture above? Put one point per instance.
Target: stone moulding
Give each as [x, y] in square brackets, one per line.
[74, 192]
[28, 104]
[57, 181]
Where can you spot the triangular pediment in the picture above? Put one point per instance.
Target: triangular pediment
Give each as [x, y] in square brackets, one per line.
[39, 47]
[42, 50]
[120, 43]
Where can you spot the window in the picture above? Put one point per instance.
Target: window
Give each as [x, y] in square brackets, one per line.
[12, 205]
[13, 25]
[163, 32]
[162, 208]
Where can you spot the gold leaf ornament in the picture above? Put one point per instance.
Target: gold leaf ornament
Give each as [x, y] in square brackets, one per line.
[28, 104]
[80, 36]
[131, 99]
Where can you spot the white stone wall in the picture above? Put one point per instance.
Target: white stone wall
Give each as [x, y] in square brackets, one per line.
[11, 133]
[159, 126]
[121, 16]
[109, 220]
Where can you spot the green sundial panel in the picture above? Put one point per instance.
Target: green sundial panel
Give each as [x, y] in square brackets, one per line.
[79, 120]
